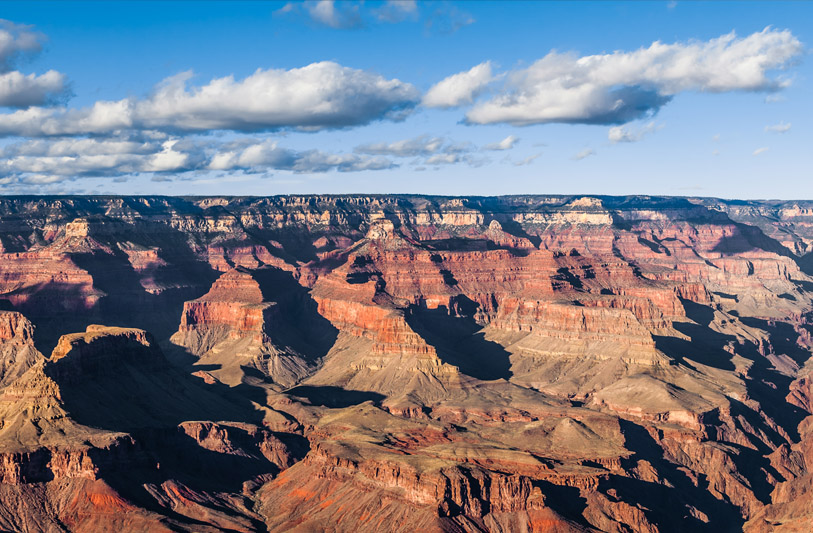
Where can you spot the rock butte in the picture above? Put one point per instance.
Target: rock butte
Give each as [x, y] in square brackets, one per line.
[405, 363]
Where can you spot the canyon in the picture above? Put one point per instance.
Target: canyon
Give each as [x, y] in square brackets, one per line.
[405, 363]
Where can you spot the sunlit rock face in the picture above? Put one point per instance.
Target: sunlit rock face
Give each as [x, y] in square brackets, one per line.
[405, 363]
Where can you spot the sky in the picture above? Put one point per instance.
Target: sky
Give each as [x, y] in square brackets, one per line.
[679, 98]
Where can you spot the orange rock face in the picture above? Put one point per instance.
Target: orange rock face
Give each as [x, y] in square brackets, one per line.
[234, 302]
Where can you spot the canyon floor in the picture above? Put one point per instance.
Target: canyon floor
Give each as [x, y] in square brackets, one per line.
[405, 363]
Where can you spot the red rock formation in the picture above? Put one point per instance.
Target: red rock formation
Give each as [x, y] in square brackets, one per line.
[235, 319]
[234, 304]
[45, 282]
[488, 364]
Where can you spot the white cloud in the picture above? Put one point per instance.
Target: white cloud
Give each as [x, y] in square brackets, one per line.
[318, 161]
[74, 147]
[317, 96]
[421, 145]
[625, 134]
[259, 156]
[587, 152]
[427, 150]
[451, 158]
[528, 160]
[621, 86]
[25, 90]
[447, 19]
[344, 16]
[352, 14]
[761, 150]
[287, 8]
[394, 11]
[171, 158]
[17, 40]
[782, 127]
[505, 144]
[459, 89]
[443, 159]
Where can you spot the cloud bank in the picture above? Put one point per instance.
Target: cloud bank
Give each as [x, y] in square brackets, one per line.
[52, 161]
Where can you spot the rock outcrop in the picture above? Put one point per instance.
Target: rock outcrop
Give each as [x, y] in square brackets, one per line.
[235, 325]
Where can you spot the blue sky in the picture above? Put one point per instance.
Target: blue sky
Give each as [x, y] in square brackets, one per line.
[350, 97]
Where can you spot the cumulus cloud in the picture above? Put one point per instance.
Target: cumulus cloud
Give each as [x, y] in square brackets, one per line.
[762, 150]
[618, 87]
[459, 89]
[318, 96]
[25, 90]
[625, 134]
[505, 144]
[587, 152]
[782, 127]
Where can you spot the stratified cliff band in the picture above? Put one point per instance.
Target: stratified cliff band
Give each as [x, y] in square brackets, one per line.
[405, 363]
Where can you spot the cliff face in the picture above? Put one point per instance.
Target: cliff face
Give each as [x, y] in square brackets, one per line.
[235, 324]
[527, 363]
[17, 351]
